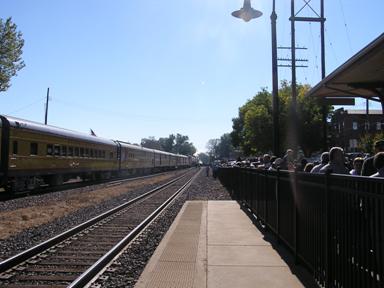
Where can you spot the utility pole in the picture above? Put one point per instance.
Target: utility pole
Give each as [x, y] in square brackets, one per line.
[324, 108]
[320, 19]
[275, 85]
[294, 132]
[46, 108]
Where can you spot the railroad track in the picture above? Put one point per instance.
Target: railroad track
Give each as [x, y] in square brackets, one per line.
[74, 257]
[73, 185]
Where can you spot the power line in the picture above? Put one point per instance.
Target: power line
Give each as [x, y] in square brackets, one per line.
[315, 49]
[346, 26]
[124, 115]
[27, 106]
[331, 45]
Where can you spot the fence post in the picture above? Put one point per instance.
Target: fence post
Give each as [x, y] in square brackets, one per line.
[265, 186]
[277, 194]
[237, 184]
[327, 232]
[295, 226]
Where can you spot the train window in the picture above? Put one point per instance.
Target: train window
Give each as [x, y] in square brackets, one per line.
[82, 152]
[111, 155]
[103, 154]
[56, 150]
[50, 149]
[70, 151]
[100, 154]
[91, 153]
[15, 147]
[76, 152]
[64, 151]
[33, 149]
[86, 152]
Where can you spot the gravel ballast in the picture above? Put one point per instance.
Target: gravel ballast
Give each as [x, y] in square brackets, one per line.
[127, 269]
[131, 263]
[34, 235]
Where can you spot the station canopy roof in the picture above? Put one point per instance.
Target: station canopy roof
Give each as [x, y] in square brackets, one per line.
[361, 76]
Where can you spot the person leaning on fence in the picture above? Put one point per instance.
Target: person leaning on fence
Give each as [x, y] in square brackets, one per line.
[357, 165]
[324, 158]
[266, 162]
[378, 162]
[336, 162]
[288, 161]
[368, 168]
[276, 164]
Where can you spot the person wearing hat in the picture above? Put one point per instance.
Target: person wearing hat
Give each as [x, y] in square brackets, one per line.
[368, 167]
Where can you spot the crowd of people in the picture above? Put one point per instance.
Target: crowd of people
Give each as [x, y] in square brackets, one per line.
[332, 161]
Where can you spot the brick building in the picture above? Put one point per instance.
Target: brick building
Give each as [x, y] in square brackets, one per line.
[348, 126]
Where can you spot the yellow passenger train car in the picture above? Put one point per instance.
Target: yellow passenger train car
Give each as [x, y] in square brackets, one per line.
[33, 154]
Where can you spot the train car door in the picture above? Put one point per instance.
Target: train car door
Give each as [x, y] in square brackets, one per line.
[119, 155]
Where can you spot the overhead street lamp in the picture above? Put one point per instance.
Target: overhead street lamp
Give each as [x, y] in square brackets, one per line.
[247, 13]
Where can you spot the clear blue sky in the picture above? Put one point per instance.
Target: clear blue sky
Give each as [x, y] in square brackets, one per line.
[133, 69]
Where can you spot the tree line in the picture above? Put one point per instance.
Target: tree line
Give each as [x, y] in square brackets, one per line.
[11, 49]
[177, 144]
[252, 129]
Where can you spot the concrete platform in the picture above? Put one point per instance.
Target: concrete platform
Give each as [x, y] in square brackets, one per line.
[214, 244]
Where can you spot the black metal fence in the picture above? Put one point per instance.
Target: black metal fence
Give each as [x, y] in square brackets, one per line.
[334, 224]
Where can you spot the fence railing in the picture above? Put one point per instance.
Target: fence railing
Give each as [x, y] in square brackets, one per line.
[334, 224]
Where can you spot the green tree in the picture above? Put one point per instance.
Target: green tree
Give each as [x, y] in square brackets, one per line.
[167, 143]
[178, 144]
[220, 148]
[203, 157]
[11, 44]
[253, 128]
[366, 142]
[225, 148]
[151, 143]
[212, 148]
[183, 146]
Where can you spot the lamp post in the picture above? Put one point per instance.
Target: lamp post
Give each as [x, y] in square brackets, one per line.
[247, 13]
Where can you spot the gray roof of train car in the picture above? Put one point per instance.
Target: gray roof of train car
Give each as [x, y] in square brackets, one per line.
[135, 147]
[52, 130]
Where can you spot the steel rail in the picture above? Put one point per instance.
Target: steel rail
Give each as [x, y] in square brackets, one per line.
[93, 271]
[33, 251]
[45, 189]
